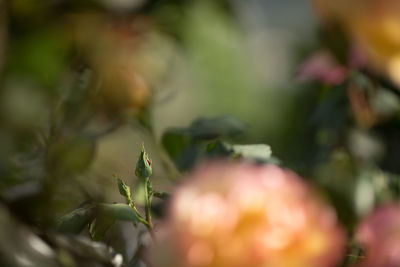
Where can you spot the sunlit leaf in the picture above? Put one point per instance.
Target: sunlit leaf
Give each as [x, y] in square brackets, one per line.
[258, 152]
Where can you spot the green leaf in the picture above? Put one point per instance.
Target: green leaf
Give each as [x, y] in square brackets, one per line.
[84, 248]
[99, 227]
[75, 221]
[225, 126]
[219, 149]
[257, 152]
[187, 145]
[119, 211]
[71, 154]
[175, 141]
[181, 148]
[189, 156]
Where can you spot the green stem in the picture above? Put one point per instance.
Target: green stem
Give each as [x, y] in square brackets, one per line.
[148, 190]
[141, 219]
[148, 200]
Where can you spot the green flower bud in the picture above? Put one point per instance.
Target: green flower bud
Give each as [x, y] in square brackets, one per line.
[143, 166]
[124, 190]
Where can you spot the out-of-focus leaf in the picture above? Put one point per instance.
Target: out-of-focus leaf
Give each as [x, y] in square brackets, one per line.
[118, 211]
[374, 187]
[106, 214]
[161, 195]
[336, 177]
[225, 126]
[71, 154]
[180, 148]
[187, 145]
[19, 246]
[385, 103]
[365, 145]
[175, 141]
[3, 32]
[219, 149]
[75, 221]
[136, 261]
[23, 103]
[361, 80]
[99, 227]
[188, 157]
[85, 248]
[40, 54]
[202, 129]
[256, 152]
[122, 6]
[334, 106]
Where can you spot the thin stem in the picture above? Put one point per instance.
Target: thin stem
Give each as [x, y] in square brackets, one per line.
[141, 219]
[148, 200]
[148, 190]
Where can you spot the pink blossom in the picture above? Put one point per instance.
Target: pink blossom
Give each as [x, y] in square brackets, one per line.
[238, 214]
[322, 67]
[379, 234]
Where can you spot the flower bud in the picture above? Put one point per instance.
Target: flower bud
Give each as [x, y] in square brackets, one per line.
[124, 190]
[143, 165]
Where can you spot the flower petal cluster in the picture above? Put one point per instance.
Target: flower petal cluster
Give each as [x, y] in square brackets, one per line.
[379, 234]
[239, 214]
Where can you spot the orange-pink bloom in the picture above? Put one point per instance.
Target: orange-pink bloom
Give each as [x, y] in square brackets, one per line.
[238, 214]
[374, 25]
[379, 234]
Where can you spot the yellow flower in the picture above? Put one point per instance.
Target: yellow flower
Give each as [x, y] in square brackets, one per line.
[374, 25]
[240, 214]
[113, 49]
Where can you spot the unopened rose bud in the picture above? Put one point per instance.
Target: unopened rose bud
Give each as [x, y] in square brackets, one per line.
[143, 165]
[124, 190]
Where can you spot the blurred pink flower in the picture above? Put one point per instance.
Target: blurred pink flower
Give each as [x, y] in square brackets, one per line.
[237, 215]
[322, 67]
[379, 234]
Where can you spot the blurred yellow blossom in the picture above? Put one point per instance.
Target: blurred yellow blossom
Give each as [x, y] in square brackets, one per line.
[230, 214]
[110, 48]
[129, 56]
[374, 25]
